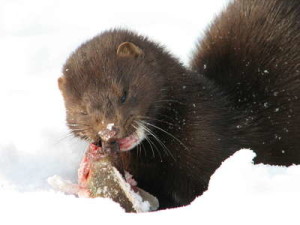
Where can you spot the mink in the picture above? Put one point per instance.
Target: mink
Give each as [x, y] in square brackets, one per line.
[172, 126]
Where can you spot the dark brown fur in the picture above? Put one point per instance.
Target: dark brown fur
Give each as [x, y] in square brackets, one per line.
[252, 52]
[205, 116]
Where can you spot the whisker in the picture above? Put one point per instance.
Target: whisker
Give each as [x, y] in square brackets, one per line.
[165, 148]
[77, 125]
[166, 133]
[145, 152]
[150, 118]
[153, 154]
[66, 136]
[164, 115]
[143, 148]
[82, 129]
[138, 150]
[149, 141]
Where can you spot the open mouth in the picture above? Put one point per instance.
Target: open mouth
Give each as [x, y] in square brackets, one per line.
[129, 142]
[123, 144]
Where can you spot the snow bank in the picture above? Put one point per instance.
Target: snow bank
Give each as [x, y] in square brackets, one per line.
[242, 193]
[239, 193]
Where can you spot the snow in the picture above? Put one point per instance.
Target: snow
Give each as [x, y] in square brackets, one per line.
[239, 192]
[110, 126]
[65, 186]
[138, 203]
[36, 36]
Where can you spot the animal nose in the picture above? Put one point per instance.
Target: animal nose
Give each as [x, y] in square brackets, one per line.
[109, 133]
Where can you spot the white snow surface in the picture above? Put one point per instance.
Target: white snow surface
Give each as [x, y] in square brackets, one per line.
[36, 37]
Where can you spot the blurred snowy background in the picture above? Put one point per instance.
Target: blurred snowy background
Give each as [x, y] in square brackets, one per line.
[36, 36]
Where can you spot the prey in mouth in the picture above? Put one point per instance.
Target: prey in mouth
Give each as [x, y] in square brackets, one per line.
[108, 143]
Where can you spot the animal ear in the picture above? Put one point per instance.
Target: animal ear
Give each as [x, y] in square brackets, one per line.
[61, 82]
[128, 49]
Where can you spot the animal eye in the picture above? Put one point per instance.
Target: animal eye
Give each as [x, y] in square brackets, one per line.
[123, 98]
